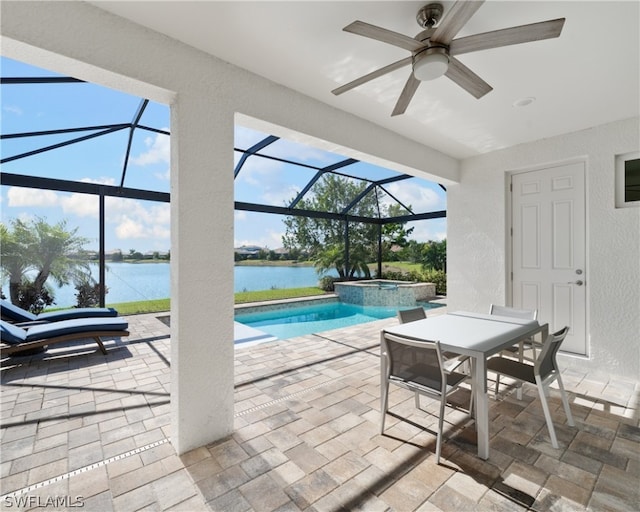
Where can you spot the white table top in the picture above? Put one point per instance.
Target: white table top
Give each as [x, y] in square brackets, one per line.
[473, 334]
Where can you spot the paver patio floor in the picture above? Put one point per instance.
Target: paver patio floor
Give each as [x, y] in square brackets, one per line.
[83, 429]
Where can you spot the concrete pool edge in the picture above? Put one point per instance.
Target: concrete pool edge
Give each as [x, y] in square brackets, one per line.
[267, 305]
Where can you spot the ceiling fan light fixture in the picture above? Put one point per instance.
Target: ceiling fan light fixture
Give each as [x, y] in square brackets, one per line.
[431, 63]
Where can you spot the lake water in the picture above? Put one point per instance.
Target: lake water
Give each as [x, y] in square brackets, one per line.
[129, 282]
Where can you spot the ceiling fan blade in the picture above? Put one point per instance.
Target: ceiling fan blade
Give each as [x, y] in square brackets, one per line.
[508, 36]
[454, 20]
[382, 34]
[467, 79]
[370, 76]
[406, 96]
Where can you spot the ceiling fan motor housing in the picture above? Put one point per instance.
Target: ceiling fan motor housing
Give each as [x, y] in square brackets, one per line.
[429, 15]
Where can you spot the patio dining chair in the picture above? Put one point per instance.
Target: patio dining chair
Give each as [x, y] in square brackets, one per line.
[524, 344]
[420, 367]
[418, 313]
[542, 373]
[411, 315]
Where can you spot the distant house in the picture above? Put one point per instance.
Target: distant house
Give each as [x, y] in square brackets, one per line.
[114, 255]
[161, 255]
[248, 251]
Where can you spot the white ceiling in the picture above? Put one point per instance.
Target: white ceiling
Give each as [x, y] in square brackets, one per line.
[586, 77]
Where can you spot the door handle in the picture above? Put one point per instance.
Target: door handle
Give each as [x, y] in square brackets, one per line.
[579, 282]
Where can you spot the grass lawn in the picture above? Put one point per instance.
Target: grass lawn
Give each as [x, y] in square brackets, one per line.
[161, 305]
[399, 266]
[286, 293]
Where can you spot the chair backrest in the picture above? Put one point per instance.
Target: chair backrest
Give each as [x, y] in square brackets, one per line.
[411, 315]
[413, 362]
[526, 314]
[546, 362]
[14, 313]
[12, 334]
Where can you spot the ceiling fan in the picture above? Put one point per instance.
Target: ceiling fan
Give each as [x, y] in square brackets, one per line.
[434, 50]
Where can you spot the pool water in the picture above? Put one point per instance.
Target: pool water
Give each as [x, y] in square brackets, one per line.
[298, 321]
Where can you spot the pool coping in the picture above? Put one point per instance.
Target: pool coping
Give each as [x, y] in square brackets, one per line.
[268, 305]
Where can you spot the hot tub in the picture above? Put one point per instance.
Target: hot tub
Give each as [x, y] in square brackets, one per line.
[385, 292]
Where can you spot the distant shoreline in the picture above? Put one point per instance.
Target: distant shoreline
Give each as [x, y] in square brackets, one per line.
[277, 263]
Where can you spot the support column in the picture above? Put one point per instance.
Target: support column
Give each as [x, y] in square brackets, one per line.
[202, 348]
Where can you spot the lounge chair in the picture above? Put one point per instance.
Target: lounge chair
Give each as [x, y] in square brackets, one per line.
[15, 314]
[16, 340]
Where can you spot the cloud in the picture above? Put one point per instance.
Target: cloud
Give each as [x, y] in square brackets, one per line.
[21, 197]
[268, 182]
[129, 228]
[164, 176]
[419, 198]
[13, 109]
[100, 181]
[280, 194]
[426, 230]
[134, 220]
[159, 150]
[82, 205]
[257, 171]
[130, 218]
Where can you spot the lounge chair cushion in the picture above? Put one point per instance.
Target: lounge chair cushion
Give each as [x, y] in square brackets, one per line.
[14, 335]
[78, 325]
[68, 314]
[17, 314]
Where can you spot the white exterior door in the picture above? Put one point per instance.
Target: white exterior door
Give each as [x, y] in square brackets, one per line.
[548, 248]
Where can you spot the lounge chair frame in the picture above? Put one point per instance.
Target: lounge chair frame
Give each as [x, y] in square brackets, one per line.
[7, 349]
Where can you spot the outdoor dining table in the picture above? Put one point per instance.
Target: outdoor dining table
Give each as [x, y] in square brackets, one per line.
[476, 335]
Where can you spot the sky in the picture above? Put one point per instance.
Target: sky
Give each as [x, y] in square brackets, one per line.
[142, 225]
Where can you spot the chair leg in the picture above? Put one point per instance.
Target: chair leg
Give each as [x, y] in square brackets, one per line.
[565, 402]
[440, 425]
[384, 404]
[547, 414]
[101, 345]
[521, 359]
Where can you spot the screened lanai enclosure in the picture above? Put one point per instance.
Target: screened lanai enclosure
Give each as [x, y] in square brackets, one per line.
[96, 163]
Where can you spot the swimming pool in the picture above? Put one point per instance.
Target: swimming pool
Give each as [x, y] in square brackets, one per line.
[308, 319]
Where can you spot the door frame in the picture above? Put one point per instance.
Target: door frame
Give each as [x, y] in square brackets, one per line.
[509, 245]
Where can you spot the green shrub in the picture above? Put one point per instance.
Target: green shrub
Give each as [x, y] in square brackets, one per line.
[88, 294]
[437, 277]
[326, 283]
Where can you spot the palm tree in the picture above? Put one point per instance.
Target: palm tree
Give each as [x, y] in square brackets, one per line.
[49, 251]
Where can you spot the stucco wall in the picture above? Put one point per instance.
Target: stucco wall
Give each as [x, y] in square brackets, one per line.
[205, 93]
[477, 219]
